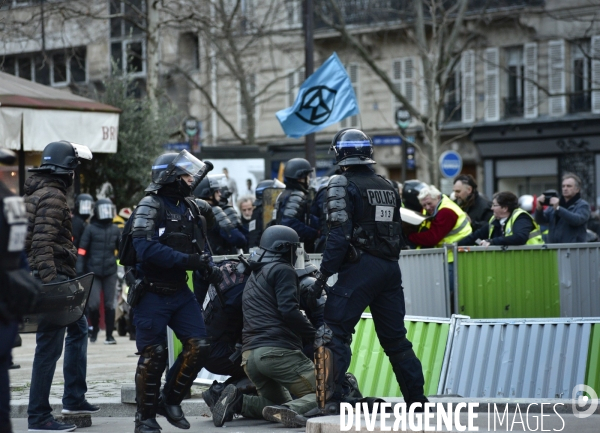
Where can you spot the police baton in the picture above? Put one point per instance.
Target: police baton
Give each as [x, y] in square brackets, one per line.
[208, 166]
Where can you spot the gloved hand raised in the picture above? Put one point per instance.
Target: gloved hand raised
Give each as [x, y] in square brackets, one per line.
[214, 276]
[319, 285]
[197, 262]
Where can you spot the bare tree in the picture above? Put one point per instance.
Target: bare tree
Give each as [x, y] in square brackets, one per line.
[439, 30]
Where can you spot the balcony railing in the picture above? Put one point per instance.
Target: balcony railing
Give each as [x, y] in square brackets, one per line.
[580, 102]
[513, 107]
[452, 111]
[389, 11]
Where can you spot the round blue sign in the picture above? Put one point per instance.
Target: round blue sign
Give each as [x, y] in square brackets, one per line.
[450, 163]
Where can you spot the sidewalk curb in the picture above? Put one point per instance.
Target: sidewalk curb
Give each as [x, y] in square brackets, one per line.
[111, 407]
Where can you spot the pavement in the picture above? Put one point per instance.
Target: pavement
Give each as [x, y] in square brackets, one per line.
[110, 373]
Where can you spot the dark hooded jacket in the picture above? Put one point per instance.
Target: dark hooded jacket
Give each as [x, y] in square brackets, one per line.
[98, 243]
[271, 310]
[49, 242]
[479, 210]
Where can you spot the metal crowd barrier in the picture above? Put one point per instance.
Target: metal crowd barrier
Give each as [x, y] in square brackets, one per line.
[559, 280]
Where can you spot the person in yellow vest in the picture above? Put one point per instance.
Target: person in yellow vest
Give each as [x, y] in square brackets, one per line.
[447, 223]
[510, 225]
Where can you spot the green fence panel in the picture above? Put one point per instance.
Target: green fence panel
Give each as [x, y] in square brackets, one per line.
[592, 375]
[372, 368]
[508, 284]
[177, 346]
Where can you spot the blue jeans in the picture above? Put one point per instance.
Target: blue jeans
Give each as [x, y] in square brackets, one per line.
[8, 332]
[47, 351]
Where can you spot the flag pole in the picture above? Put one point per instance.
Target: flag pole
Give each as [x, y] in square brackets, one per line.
[309, 68]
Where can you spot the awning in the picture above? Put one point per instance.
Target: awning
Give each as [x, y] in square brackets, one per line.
[36, 115]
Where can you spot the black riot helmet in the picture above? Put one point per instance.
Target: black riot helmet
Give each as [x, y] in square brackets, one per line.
[352, 147]
[209, 185]
[7, 157]
[104, 210]
[261, 186]
[278, 242]
[297, 168]
[168, 167]
[410, 194]
[62, 157]
[84, 205]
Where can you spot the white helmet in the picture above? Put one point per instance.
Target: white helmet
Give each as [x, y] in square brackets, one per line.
[526, 202]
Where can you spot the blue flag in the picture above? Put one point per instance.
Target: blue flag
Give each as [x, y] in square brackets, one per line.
[325, 98]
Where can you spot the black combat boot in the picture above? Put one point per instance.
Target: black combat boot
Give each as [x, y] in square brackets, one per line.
[212, 394]
[228, 405]
[95, 321]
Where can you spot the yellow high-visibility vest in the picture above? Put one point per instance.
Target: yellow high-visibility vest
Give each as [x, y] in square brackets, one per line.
[535, 236]
[461, 229]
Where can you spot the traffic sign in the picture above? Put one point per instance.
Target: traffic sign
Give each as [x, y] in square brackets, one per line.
[450, 164]
[403, 117]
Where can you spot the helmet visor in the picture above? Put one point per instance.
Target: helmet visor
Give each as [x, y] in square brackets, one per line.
[85, 207]
[82, 152]
[105, 211]
[186, 163]
[217, 181]
[339, 146]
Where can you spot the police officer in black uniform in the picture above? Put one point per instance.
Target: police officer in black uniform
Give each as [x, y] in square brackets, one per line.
[293, 205]
[224, 238]
[364, 234]
[19, 288]
[84, 207]
[168, 241]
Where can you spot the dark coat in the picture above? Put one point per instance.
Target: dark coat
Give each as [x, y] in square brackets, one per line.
[272, 316]
[521, 229]
[568, 224]
[479, 211]
[79, 224]
[98, 243]
[49, 242]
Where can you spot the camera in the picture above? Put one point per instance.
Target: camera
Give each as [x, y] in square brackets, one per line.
[548, 194]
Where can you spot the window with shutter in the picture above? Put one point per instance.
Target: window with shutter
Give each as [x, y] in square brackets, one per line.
[352, 121]
[556, 78]
[403, 75]
[595, 50]
[492, 97]
[468, 86]
[531, 76]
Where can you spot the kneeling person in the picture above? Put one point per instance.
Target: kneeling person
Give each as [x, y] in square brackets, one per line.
[272, 338]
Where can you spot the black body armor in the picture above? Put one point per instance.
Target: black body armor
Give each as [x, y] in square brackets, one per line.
[219, 245]
[378, 228]
[293, 204]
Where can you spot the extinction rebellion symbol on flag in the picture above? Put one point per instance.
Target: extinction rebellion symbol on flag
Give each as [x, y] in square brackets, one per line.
[317, 104]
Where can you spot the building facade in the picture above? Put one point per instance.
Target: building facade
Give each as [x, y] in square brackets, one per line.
[521, 105]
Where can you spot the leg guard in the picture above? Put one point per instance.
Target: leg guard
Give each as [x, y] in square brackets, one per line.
[147, 380]
[324, 375]
[195, 351]
[409, 373]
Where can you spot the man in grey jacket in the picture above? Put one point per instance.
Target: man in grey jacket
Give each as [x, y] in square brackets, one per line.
[567, 216]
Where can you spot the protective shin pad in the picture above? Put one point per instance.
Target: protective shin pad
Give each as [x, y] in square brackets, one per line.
[324, 375]
[195, 351]
[147, 379]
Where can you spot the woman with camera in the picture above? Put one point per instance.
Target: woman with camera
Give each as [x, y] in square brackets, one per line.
[510, 225]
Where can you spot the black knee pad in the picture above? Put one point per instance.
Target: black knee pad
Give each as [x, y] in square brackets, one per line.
[154, 357]
[196, 348]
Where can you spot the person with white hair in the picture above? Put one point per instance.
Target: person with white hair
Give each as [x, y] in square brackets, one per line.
[447, 223]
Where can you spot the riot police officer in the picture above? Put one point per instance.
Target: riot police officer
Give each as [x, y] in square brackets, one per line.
[84, 206]
[224, 238]
[19, 288]
[293, 205]
[168, 241]
[364, 233]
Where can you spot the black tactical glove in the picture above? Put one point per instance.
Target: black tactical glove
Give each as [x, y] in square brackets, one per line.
[197, 262]
[318, 286]
[214, 276]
